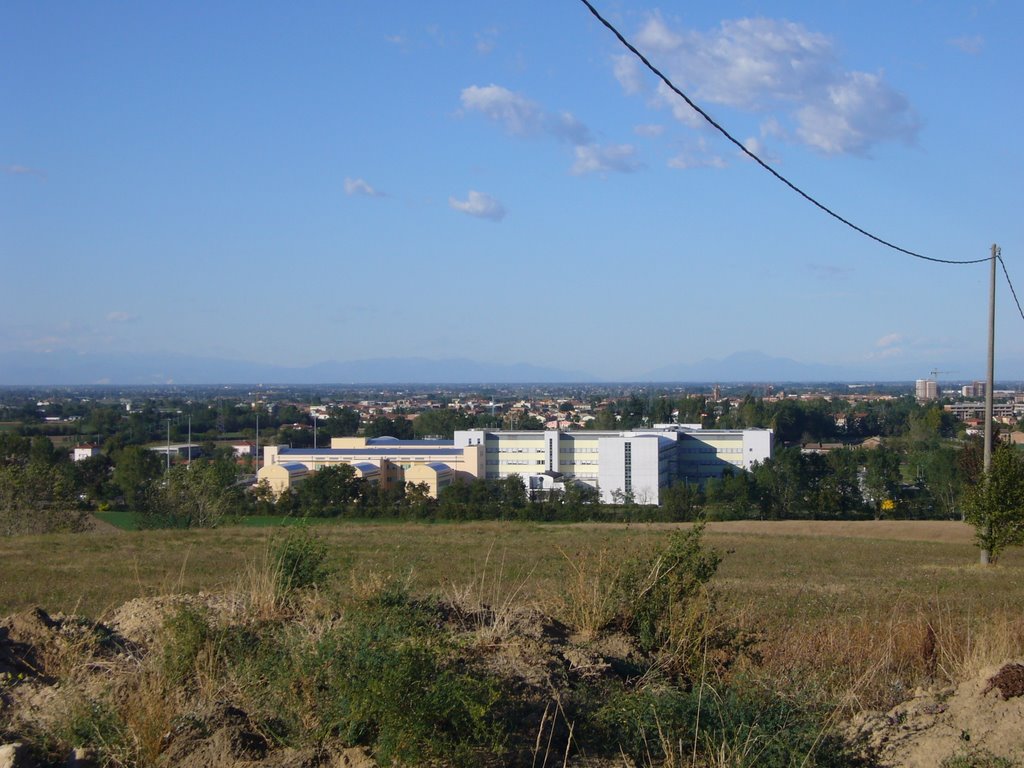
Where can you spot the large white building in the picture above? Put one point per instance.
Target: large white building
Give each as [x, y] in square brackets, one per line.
[636, 463]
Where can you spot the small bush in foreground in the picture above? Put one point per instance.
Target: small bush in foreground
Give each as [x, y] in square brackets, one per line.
[187, 633]
[96, 726]
[740, 725]
[300, 558]
[656, 591]
[392, 682]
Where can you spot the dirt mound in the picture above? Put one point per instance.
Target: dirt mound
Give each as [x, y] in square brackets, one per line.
[983, 716]
[223, 736]
[139, 621]
[56, 663]
[1009, 681]
[34, 644]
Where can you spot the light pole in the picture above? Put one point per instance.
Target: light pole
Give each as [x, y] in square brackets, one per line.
[989, 389]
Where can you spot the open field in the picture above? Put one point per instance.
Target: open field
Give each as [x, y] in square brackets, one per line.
[774, 570]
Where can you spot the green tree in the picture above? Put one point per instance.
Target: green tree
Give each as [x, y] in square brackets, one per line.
[134, 468]
[340, 422]
[382, 426]
[995, 506]
[882, 476]
[939, 470]
[43, 452]
[329, 491]
[781, 483]
[441, 422]
[196, 495]
[733, 496]
[92, 477]
[836, 492]
[38, 498]
[682, 502]
[14, 449]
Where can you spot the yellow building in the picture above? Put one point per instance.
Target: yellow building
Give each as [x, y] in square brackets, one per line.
[435, 475]
[281, 477]
[384, 460]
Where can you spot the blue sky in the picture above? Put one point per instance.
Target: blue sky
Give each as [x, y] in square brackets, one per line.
[500, 181]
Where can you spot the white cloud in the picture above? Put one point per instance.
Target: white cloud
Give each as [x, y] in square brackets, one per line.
[522, 117]
[889, 340]
[592, 158]
[681, 111]
[829, 271]
[971, 44]
[890, 352]
[656, 36]
[519, 115]
[566, 127]
[696, 155]
[855, 114]
[486, 40]
[684, 161]
[120, 317]
[770, 127]
[478, 204]
[649, 130]
[778, 66]
[24, 170]
[626, 69]
[360, 187]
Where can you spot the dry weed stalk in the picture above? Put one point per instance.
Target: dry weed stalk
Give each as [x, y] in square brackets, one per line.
[874, 663]
[365, 585]
[589, 599]
[488, 600]
[965, 647]
[259, 587]
[149, 712]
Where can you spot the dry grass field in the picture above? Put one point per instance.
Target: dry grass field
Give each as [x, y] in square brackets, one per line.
[862, 609]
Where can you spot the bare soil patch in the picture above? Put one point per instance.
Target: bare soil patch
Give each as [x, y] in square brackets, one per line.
[970, 719]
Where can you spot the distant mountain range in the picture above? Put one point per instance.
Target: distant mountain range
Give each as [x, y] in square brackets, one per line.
[750, 367]
[66, 368]
[79, 369]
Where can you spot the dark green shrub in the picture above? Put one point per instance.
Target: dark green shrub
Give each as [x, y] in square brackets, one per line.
[748, 725]
[391, 681]
[186, 633]
[98, 726]
[300, 558]
[655, 591]
[271, 668]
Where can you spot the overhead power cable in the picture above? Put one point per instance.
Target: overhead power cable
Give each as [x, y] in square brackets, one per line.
[765, 165]
[1010, 283]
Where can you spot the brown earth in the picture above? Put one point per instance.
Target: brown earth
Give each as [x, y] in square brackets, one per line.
[47, 660]
[982, 716]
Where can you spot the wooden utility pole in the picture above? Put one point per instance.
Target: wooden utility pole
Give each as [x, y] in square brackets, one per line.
[990, 383]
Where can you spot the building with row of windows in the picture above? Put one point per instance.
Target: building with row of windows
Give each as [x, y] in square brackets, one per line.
[634, 464]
